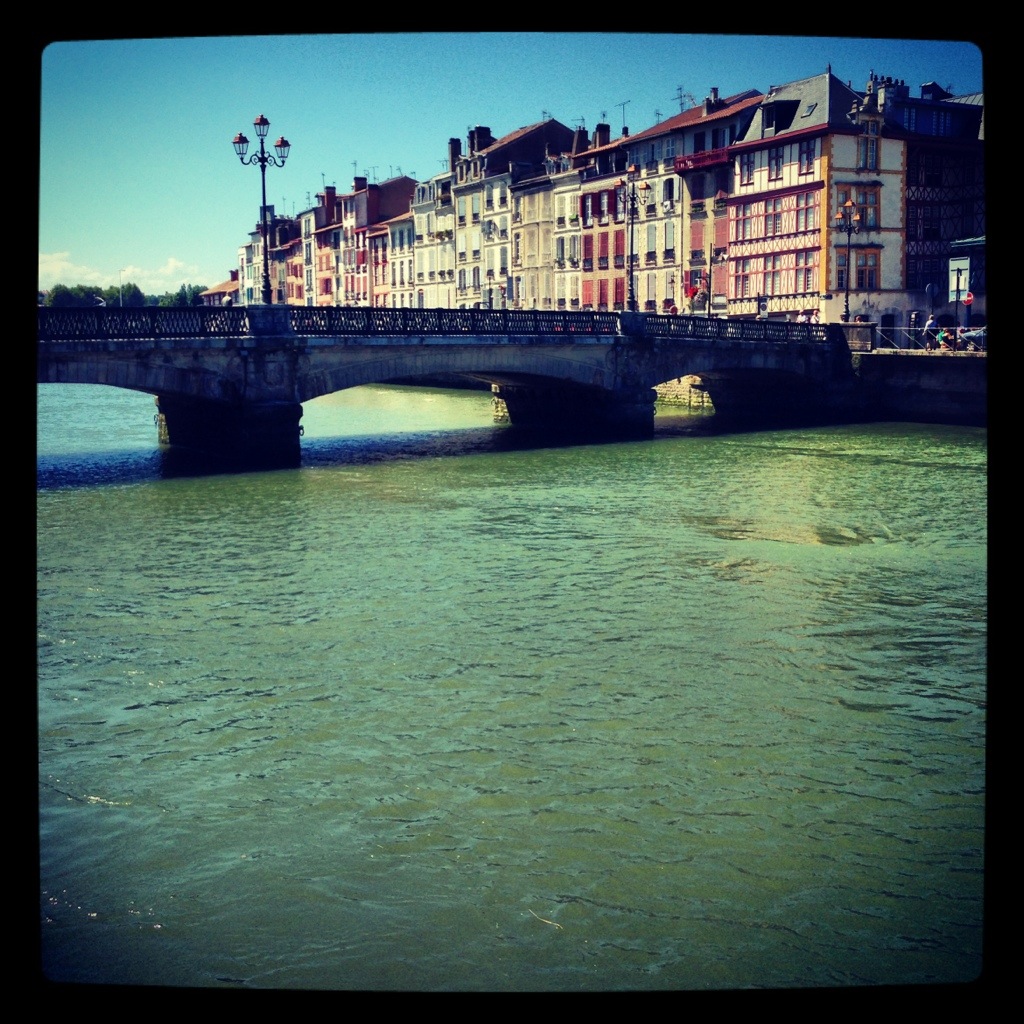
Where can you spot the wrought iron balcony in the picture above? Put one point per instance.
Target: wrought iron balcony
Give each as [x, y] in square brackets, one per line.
[699, 161]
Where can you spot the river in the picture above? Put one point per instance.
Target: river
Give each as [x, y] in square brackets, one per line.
[443, 711]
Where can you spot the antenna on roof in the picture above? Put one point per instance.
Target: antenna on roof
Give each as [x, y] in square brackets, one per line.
[681, 96]
[623, 105]
[323, 180]
[545, 115]
[657, 117]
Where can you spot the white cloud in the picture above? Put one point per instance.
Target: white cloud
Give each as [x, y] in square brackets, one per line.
[59, 268]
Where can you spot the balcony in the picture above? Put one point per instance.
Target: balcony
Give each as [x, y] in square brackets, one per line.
[701, 161]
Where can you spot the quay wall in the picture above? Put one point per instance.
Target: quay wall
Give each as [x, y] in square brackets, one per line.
[931, 387]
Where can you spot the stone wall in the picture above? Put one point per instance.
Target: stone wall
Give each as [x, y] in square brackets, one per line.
[685, 391]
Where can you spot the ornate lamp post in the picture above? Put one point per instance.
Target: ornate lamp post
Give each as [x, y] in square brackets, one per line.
[261, 159]
[848, 220]
[635, 195]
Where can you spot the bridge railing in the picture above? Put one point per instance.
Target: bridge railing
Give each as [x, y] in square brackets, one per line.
[113, 323]
[714, 328]
[341, 321]
[103, 323]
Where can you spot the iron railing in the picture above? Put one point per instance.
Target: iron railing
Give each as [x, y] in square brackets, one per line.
[169, 322]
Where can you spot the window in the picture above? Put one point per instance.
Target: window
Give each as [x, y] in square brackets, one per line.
[867, 153]
[910, 118]
[743, 221]
[867, 261]
[773, 217]
[746, 168]
[775, 163]
[773, 275]
[743, 273]
[943, 122]
[806, 271]
[807, 211]
[867, 201]
[807, 156]
[698, 142]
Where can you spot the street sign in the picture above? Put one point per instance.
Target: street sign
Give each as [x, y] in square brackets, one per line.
[968, 298]
[959, 277]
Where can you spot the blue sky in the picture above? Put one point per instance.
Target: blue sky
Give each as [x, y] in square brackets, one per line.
[139, 182]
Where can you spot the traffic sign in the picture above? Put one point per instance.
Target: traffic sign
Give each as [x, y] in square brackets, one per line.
[968, 298]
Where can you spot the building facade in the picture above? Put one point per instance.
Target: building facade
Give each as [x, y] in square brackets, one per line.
[733, 207]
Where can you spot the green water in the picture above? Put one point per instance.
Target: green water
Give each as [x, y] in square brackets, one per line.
[437, 712]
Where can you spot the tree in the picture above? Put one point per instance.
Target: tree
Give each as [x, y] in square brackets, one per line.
[186, 295]
[131, 295]
[79, 295]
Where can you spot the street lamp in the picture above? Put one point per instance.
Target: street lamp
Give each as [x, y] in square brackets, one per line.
[261, 159]
[711, 264]
[848, 220]
[635, 195]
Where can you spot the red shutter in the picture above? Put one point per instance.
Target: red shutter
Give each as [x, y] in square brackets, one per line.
[620, 242]
[588, 293]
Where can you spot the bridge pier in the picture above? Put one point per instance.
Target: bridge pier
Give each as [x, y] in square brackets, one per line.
[256, 434]
[580, 411]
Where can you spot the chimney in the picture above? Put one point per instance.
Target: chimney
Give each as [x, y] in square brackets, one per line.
[358, 184]
[479, 139]
[579, 141]
[454, 152]
[602, 135]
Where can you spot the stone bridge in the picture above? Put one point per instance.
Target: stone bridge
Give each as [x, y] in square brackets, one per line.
[232, 380]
